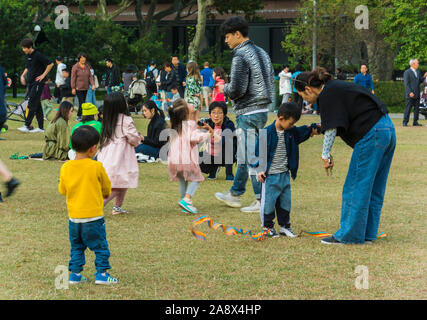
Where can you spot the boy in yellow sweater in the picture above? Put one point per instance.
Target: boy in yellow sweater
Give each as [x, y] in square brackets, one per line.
[85, 184]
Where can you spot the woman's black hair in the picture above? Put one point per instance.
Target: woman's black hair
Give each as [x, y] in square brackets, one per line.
[289, 110]
[315, 78]
[63, 111]
[233, 24]
[83, 138]
[114, 104]
[218, 104]
[81, 54]
[150, 105]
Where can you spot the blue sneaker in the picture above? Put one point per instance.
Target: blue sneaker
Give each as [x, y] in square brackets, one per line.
[187, 206]
[104, 278]
[229, 177]
[76, 278]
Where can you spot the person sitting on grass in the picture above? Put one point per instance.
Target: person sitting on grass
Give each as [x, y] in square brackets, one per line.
[278, 163]
[220, 154]
[85, 184]
[151, 144]
[89, 110]
[57, 135]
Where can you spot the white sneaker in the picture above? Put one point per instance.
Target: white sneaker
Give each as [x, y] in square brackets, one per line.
[24, 129]
[253, 208]
[287, 232]
[37, 130]
[167, 118]
[228, 199]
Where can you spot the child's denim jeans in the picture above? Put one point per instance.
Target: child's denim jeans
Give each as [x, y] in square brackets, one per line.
[276, 198]
[90, 235]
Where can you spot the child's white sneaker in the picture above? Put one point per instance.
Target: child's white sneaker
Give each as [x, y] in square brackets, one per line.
[287, 232]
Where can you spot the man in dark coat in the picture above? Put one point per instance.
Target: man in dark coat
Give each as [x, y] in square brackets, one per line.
[412, 79]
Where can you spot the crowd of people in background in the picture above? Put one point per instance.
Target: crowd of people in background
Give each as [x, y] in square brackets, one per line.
[179, 93]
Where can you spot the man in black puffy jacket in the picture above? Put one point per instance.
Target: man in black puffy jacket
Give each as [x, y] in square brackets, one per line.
[251, 88]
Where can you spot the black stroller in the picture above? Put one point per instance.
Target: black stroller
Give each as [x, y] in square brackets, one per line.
[423, 101]
[136, 95]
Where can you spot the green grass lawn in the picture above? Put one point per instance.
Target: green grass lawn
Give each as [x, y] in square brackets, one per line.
[154, 255]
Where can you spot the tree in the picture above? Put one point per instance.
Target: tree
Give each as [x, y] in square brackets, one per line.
[337, 35]
[202, 6]
[15, 23]
[405, 26]
[248, 7]
[105, 15]
[153, 16]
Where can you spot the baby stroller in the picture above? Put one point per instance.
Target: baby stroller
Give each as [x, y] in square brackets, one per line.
[17, 111]
[423, 101]
[137, 94]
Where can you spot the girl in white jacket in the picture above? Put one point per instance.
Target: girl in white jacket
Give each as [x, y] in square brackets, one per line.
[285, 89]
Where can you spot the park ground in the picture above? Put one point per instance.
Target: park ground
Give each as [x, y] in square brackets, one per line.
[154, 255]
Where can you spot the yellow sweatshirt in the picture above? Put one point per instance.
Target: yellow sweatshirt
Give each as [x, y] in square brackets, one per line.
[85, 184]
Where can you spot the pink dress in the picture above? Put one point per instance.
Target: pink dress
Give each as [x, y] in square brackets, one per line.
[183, 156]
[216, 95]
[118, 155]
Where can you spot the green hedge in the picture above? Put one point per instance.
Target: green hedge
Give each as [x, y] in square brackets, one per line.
[390, 92]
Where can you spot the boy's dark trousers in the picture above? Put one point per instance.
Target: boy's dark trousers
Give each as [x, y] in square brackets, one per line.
[213, 166]
[90, 235]
[35, 91]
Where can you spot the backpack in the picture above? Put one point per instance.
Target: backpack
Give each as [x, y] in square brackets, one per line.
[150, 79]
[137, 87]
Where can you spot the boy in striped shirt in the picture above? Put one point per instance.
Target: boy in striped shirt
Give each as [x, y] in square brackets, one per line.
[282, 157]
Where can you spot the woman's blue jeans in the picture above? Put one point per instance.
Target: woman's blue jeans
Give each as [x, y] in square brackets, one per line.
[148, 150]
[365, 185]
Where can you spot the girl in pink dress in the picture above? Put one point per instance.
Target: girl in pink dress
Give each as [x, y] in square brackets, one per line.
[183, 156]
[220, 78]
[119, 138]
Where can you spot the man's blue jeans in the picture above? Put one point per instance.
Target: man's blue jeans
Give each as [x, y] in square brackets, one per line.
[90, 235]
[364, 188]
[246, 145]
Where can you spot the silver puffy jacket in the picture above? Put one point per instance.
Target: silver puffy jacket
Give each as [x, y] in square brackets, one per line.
[251, 85]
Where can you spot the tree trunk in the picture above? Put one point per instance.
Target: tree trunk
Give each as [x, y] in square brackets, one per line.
[202, 10]
[380, 57]
[102, 5]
